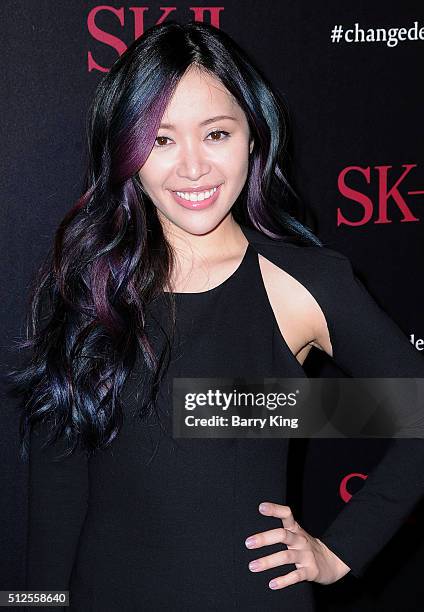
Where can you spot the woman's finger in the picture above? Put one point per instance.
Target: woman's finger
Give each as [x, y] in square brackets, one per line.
[293, 577]
[298, 557]
[282, 512]
[276, 536]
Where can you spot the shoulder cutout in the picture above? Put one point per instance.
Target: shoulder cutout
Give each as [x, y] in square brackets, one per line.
[299, 317]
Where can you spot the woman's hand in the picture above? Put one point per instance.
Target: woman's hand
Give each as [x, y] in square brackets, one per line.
[313, 559]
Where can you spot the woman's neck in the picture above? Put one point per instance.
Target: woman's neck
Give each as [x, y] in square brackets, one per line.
[225, 240]
[204, 260]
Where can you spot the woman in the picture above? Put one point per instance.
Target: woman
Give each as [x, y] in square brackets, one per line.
[179, 261]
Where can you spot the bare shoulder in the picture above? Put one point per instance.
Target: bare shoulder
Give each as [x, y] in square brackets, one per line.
[300, 318]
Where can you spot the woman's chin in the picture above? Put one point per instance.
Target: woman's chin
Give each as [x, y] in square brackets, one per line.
[195, 224]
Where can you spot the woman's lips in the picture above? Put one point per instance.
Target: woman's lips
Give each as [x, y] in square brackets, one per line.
[197, 205]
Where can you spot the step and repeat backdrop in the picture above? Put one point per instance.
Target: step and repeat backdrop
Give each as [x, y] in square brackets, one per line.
[350, 74]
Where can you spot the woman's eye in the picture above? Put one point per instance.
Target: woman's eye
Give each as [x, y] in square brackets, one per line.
[226, 135]
[161, 140]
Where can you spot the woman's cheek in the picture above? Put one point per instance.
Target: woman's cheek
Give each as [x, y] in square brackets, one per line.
[234, 161]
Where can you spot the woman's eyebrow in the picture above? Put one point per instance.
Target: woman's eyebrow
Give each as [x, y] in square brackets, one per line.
[169, 126]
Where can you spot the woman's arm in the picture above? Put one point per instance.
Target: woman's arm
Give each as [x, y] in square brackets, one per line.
[366, 342]
[57, 504]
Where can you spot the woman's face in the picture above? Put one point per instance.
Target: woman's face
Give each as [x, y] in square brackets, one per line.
[196, 150]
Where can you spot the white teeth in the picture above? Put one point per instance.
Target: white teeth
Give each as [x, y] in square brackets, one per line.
[196, 197]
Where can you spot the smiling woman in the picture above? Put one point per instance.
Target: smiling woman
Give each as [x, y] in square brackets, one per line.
[179, 260]
[189, 167]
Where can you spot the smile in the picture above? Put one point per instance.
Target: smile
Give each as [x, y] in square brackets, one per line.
[197, 200]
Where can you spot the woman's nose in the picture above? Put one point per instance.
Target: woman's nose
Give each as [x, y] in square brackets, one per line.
[192, 163]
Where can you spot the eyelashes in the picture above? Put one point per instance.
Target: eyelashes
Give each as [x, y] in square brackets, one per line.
[225, 136]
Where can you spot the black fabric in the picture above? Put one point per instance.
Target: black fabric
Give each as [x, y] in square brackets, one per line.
[124, 531]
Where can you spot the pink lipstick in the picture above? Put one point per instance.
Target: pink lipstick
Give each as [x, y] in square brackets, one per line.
[197, 205]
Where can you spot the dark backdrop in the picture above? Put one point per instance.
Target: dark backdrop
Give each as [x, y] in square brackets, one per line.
[354, 158]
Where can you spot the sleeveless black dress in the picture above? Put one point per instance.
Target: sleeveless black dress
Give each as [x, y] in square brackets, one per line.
[154, 523]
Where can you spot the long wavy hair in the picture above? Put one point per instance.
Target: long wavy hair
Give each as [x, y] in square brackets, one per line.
[86, 321]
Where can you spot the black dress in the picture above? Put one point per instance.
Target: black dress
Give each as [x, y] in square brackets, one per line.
[125, 531]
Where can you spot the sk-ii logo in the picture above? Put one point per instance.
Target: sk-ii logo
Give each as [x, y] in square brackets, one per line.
[343, 488]
[133, 17]
[346, 495]
[392, 194]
